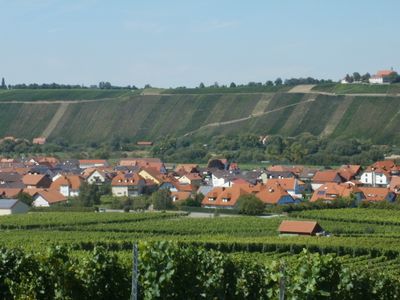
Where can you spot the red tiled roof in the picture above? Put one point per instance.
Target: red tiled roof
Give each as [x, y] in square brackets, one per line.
[302, 227]
[271, 193]
[32, 179]
[331, 191]
[10, 192]
[126, 179]
[326, 176]
[73, 181]
[375, 193]
[383, 73]
[51, 196]
[180, 196]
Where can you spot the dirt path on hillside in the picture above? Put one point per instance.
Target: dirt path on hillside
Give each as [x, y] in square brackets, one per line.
[337, 116]
[255, 115]
[302, 88]
[55, 120]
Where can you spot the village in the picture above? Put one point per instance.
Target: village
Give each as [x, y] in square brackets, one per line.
[53, 182]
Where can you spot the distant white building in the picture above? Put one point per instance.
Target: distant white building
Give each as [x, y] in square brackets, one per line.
[381, 77]
[375, 177]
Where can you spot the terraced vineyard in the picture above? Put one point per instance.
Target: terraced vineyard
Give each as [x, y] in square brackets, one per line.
[97, 116]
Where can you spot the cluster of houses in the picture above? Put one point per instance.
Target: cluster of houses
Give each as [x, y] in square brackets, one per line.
[50, 180]
[381, 77]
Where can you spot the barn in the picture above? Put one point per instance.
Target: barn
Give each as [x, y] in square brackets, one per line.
[12, 206]
[300, 228]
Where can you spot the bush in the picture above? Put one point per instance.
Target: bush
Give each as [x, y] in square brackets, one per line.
[161, 200]
[250, 205]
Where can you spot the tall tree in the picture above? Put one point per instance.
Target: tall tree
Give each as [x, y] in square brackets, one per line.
[3, 83]
[278, 81]
[356, 76]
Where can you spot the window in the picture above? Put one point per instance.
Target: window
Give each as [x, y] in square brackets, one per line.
[226, 199]
[211, 198]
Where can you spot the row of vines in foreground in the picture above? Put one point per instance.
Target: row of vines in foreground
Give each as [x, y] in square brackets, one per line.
[169, 271]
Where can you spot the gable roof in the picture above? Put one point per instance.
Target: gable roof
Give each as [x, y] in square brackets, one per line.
[332, 190]
[395, 183]
[286, 183]
[272, 193]
[10, 192]
[127, 179]
[224, 196]
[327, 176]
[72, 181]
[383, 73]
[51, 196]
[375, 193]
[8, 203]
[32, 179]
[303, 227]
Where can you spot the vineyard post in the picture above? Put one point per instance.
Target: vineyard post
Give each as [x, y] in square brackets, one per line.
[135, 272]
[282, 281]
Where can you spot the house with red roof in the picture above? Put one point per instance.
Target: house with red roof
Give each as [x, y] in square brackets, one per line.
[46, 198]
[67, 185]
[92, 163]
[395, 184]
[377, 194]
[326, 176]
[130, 184]
[381, 77]
[145, 163]
[376, 176]
[332, 191]
[36, 181]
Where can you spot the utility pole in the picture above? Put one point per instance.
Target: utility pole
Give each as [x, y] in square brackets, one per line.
[282, 282]
[135, 273]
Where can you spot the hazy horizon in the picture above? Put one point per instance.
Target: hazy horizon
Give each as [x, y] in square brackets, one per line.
[183, 43]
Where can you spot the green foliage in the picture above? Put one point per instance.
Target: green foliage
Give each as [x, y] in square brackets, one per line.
[194, 201]
[250, 205]
[161, 199]
[90, 194]
[25, 198]
[57, 275]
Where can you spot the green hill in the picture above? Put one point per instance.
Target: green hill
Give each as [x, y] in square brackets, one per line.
[127, 114]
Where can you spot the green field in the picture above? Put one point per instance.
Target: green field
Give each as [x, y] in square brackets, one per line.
[358, 88]
[127, 114]
[354, 231]
[362, 253]
[60, 94]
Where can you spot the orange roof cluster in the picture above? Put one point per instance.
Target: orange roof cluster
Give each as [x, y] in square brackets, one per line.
[270, 193]
[332, 191]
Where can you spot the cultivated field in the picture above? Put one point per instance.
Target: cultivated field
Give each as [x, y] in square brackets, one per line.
[90, 117]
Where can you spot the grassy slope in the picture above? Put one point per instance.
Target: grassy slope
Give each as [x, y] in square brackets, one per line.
[59, 94]
[358, 88]
[25, 120]
[154, 116]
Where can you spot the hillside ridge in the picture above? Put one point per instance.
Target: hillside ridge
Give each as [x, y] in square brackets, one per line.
[150, 117]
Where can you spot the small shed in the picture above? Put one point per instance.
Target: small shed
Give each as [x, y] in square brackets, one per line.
[12, 206]
[300, 227]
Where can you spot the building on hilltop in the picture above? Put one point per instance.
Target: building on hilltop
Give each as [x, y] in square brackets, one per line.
[381, 77]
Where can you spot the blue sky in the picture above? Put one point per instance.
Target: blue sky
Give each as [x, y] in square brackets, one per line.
[185, 42]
